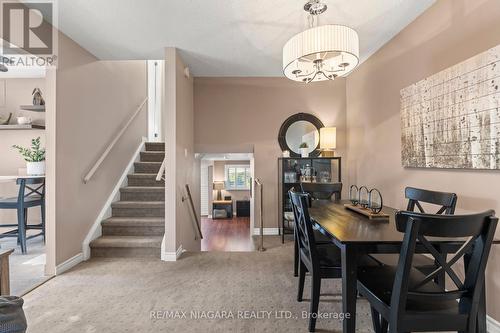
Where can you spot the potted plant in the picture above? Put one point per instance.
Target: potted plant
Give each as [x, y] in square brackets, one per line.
[34, 157]
[304, 149]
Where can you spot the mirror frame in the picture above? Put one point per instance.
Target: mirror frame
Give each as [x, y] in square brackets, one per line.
[288, 122]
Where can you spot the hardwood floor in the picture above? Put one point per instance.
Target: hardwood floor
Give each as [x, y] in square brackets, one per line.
[226, 235]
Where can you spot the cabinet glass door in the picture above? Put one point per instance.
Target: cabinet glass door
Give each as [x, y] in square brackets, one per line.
[326, 170]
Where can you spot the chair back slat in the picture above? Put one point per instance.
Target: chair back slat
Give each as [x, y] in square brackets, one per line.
[303, 227]
[478, 229]
[322, 191]
[416, 196]
[26, 191]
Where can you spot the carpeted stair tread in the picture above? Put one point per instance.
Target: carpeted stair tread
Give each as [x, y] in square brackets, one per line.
[142, 189]
[134, 221]
[142, 175]
[152, 156]
[127, 242]
[155, 146]
[147, 167]
[138, 204]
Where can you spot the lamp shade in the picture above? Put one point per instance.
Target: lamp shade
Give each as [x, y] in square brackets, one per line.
[328, 138]
[321, 53]
[218, 185]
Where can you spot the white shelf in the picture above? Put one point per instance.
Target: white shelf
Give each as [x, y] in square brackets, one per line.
[21, 127]
[35, 108]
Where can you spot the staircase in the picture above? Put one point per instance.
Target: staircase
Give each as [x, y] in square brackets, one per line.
[137, 224]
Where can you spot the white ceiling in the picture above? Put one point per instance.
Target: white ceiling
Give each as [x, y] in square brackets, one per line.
[222, 37]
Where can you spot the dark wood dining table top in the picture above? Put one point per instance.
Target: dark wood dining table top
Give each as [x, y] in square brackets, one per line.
[347, 226]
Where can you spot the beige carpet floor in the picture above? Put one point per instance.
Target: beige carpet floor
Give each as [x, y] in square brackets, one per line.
[121, 295]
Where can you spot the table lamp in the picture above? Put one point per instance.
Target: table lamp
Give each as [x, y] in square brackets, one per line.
[219, 186]
[328, 141]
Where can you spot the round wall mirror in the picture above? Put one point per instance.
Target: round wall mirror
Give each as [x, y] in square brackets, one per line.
[298, 129]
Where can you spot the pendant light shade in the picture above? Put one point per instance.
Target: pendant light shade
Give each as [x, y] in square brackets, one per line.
[321, 53]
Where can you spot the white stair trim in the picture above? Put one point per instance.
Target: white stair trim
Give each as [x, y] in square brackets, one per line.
[70, 263]
[492, 326]
[96, 230]
[171, 256]
[267, 231]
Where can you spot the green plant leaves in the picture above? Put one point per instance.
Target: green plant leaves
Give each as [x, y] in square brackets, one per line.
[33, 154]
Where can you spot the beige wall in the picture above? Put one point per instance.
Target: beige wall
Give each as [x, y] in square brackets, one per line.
[244, 115]
[182, 166]
[94, 99]
[219, 174]
[448, 33]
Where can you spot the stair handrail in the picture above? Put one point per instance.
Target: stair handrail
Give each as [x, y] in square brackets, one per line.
[159, 175]
[261, 187]
[196, 225]
[106, 152]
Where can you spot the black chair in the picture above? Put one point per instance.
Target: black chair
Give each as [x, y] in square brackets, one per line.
[316, 191]
[403, 299]
[320, 260]
[322, 191]
[31, 194]
[446, 203]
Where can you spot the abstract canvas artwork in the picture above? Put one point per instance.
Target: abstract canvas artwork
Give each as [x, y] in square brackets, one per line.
[452, 119]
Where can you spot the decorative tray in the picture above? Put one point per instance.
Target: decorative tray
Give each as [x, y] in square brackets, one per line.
[366, 212]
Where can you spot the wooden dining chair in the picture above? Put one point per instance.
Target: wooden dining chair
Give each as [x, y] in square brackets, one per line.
[322, 191]
[403, 299]
[444, 200]
[446, 203]
[31, 194]
[322, 261]
[316, 191]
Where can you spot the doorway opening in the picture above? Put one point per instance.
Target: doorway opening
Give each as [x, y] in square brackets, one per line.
[27, 109]
[227, 201]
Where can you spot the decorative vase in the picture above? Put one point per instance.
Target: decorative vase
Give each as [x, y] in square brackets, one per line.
[304, 152]
[35, 168]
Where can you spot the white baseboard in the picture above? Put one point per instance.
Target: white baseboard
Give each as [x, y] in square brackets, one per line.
[96, 231]
[267, 231]
[172, 256]
[492, 326]
[68, 264]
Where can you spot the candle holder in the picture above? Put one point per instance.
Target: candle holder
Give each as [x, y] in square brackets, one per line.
[364, 197]
[354, 195]
[375, 202]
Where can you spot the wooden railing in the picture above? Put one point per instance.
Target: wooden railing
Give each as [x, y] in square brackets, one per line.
[196, 222]
[106, 152]
[261, 210]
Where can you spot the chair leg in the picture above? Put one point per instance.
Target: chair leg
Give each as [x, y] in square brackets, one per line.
[376, 321]
[21, 229]
[384, 325]
[315, 290]
[302, 277]
[42, 207]
[295, 255]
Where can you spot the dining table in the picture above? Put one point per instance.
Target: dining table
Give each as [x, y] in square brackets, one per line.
[12, 178]
[357, 235]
